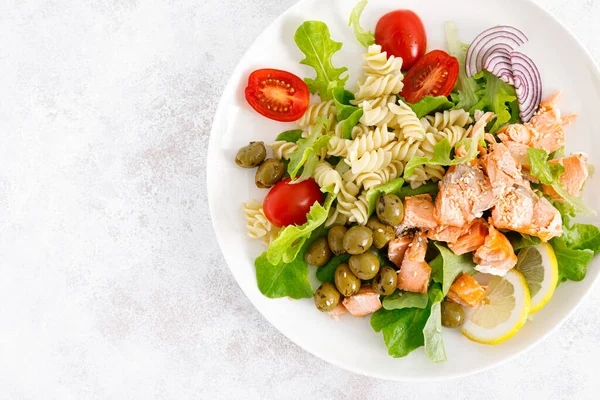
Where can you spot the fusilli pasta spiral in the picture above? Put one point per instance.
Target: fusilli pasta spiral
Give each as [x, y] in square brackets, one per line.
[257, 224]
[378, 63]
[377, 86]
[373, 140]
[347, 197]
[324, 110]
[404, 150]
[325, 176]
[370, 180]
[448, 118]
[408, 123]
[370, 161]
[282, 149]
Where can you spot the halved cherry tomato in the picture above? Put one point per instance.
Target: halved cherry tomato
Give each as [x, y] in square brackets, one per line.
[288, 203]
[277, 94]
[434, 75]
[401, 33]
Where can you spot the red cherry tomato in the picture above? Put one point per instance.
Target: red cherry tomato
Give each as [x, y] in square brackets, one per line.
[288, 203]
[401, 33]
[277, 94]
[434, 75]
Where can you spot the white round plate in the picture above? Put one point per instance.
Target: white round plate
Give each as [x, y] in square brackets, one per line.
[351, 343]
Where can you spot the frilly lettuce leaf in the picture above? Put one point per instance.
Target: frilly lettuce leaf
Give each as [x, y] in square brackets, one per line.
[447, 266]
[401, 299]
[432, 332]
[347, 114]
[429, 105]
[290, 136]
[307, 154]
[314, 40]
[466, 88]
[366, 38]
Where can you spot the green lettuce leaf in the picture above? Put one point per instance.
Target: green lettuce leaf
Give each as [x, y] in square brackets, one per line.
[466, 88]
[429, 105]
[401, 299]
[549, 174]
[292, 238]
[520, 241]
[582, 237]
[347, 114]
[326, 273]
[447, 266]
[314, 40]
[432, 332]
[366, 38]
[430, 188]
[498, 97]
[306, 156]
[402, 329]
[572, 264]
[290, 136]
[393, 187]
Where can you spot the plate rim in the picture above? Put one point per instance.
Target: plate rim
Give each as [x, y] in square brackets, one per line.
[211, 154]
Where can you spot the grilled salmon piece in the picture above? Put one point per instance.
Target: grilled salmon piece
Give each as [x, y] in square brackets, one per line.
[466, 291]
[397, 248]
[575, 175]
[365, 302]
[496, 256]
[337, 311]
[448, 234]
[473, 239]
[418, 213]
[464, 194]
[414, 272]
[502, 169]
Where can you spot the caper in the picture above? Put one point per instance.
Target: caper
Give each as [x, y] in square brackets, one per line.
[390, 209]
[453, 315]
[252, 155]
[346, 282]
[326, 297]
[318, 254]
[357, 240]
[385, 281]
[335, 238]
[365, 266]
[382, 233]
[269, 173]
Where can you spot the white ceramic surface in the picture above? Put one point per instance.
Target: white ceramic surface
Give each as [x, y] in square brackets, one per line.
[236, 123]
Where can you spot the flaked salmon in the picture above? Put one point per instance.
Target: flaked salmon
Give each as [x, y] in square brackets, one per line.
[473, 239]
[414, 272]
[445, 233]
[365, 302]
[337, 311]
[575, 175]
[397, 247]
[418, 213]
[496, 256]
[544, 131]
[502, 168]
[466, 291]
[464, 194]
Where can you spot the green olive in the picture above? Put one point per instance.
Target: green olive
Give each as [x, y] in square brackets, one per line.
[346, 282]
[335, 239]
[252, 155]
[365, 266]
[327, 297]
[382, 233]
[357, 240]
[453, 315]
[269, 173]
[385, 281]
[390, 209]
[318, 254]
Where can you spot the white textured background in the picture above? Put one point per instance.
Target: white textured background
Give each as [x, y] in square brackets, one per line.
[111, 283]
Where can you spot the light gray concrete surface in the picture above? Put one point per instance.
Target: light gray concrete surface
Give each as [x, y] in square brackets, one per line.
[111, 283]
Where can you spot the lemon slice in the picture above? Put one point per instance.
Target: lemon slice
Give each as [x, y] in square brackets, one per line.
[540, 269]
[503, 312]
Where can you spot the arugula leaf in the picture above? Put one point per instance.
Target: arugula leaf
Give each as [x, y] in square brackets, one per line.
[432, 332]
[346, 113]
[402, 329]
[290, 240]
[520, 241]
[373, 194]
[307, 154]
[466, 88]
[326, 273]
[582, 237]
[429, 105]
[290, 136]
[549, 174]
[572, 264]
[447, 266]
[498, 97]
[366, 38]
[400, 299]
[314, 40]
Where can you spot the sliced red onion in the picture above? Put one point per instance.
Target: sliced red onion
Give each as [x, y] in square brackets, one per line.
[528, 84]
[499, 64]
[506, 37]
